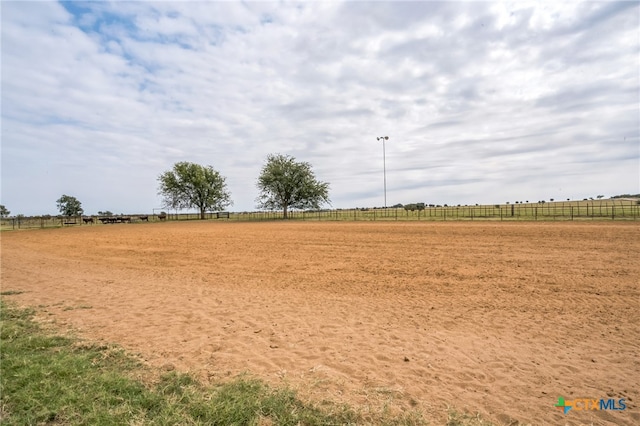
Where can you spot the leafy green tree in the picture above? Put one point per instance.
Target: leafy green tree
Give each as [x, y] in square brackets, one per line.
[412, 207]
[285, 183]
[69, 206]
[4, 212]
[191, 185]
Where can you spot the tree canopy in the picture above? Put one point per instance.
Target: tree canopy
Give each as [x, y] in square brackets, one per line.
[69, 206]
[414, 206]
[3, 211]
[285, 183]
[190, 185]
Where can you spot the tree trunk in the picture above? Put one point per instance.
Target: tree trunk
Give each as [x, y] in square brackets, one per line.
[285, 212]
[202, 214]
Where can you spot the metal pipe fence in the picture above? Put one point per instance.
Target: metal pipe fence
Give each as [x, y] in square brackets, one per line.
[505, 212]
[552, 211]
[31, 222]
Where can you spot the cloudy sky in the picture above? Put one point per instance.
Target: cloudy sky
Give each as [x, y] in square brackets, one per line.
[483, 102]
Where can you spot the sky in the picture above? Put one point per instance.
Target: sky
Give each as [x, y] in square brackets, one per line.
[483, 102]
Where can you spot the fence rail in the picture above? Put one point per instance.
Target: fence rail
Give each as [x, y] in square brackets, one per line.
[582, 210]
[514, 212]
[67, 221]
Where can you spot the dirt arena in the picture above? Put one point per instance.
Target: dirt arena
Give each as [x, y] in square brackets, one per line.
[495, 318]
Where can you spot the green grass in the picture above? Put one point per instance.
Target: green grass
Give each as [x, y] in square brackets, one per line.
[51, 379]
[10, 292]
[457, 419]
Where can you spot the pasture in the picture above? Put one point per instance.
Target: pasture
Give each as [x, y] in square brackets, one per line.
[488, 317]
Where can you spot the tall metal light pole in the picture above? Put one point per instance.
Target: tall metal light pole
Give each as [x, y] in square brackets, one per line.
[384, 167]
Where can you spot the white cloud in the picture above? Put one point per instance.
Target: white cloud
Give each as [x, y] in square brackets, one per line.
[483, 102]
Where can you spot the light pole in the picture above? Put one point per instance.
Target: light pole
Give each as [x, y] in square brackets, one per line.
[384, 167]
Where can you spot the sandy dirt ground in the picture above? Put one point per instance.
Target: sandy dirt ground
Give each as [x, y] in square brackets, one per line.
[495, 318]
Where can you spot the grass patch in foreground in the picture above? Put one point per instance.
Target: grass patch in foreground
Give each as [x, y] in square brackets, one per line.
[48, 379]
[462, 419]
[10, 292]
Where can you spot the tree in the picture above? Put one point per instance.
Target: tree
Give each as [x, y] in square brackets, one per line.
[69, 206]
[4, 212]
[191, 185]
[285, 183]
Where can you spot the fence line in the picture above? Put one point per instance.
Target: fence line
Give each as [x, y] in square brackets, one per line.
[528, 212]
[604, 210]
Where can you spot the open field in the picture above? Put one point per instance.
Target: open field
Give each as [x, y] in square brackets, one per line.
[489, 317]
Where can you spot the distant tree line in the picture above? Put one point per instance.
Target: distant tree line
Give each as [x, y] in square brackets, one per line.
[414, 206]
[626, 196]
